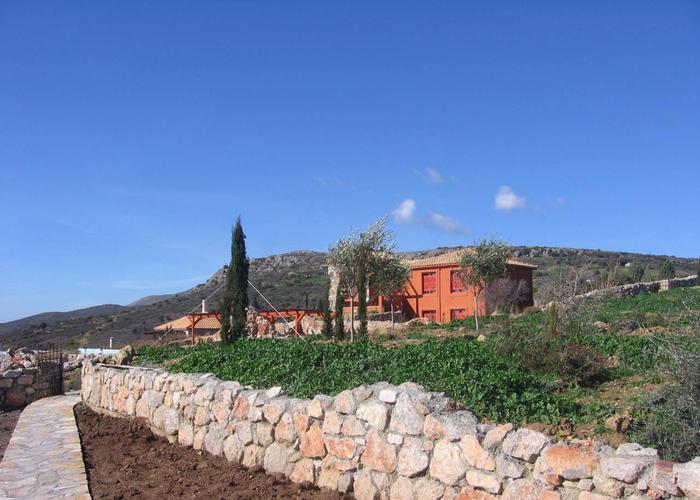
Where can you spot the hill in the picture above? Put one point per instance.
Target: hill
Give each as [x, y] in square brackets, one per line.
[294, 279]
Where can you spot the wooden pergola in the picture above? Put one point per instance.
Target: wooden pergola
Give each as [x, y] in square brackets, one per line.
[271, 316]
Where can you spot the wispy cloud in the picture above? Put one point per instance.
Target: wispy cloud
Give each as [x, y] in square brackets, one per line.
[507, 200]
[445, 223]
[560, 201]
[404, 213]
[429, 175]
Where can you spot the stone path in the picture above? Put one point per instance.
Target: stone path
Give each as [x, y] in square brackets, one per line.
[44, 458]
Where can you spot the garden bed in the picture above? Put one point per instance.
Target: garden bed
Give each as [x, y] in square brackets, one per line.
[8, 420]
[124, 459]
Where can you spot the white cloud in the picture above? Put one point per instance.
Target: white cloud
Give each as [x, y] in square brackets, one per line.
[430, 175]
[445, 223]
[404, 212]
[507, 200]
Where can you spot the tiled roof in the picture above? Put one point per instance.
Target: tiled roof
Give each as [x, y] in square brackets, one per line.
[185, 323]
[455, 257]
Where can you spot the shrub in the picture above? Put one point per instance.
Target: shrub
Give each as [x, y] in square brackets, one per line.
[671, 418]
[667, 271]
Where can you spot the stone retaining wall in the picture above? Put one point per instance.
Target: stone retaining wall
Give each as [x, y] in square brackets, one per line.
[18, 387]
[381, 441]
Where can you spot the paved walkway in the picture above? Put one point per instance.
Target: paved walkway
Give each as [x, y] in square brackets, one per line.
[44, 458]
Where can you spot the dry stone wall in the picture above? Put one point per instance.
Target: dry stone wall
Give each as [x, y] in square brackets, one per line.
[381, 441]
[18, 387]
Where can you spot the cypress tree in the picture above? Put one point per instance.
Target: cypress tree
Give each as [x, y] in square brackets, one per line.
[233, 306]
[362, 309]
[339, 322]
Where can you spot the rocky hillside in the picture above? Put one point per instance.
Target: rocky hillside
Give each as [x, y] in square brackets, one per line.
[294, 279]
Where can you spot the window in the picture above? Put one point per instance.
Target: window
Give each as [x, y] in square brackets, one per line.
[456, 283]
[458, 314]
[429, 282]
[429, 315]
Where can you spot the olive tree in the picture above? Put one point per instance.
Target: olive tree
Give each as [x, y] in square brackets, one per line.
[390, 281]
[482, 265]
[357, 258]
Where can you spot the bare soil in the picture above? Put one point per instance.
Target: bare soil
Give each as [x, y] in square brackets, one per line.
[124, 459]
[8, 420]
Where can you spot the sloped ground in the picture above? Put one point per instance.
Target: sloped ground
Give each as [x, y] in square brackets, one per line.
[8, 420]
[125, 460]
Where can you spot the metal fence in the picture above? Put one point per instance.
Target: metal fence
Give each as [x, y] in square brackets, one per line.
[50, 375]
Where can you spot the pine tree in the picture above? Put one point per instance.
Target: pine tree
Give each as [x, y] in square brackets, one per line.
[362, 309]
[327, 330]
[339, 322]
[667, 271]
[233, 306]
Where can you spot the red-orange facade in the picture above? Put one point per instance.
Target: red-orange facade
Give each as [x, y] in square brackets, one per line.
[436, 291]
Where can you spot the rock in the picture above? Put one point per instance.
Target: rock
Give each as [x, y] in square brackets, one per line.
[447, 463]
[264, 434]
[601, 326]
[522, 489]
[450, 425]
[333, 422]
[484, 480]
[607, 485]
[340, 447]
[285, 430]
[524, 444]
[688, 477]
[345, 402]
[623, 469]
[364, 488]
[388, 395]
[412, 462]
[253, 456]
[275, 460]
[481, 338]
[312, 445]
[636, 450]
[5, 361]
[626, 326]
[274, 392]
[427, 489]
[166, 419]
[663, 478]
[353, 426]
[379, 455]
[401, 489]
[619, 423]
[405, 418]
[507, 468]
[495, 436]
[233, 449]
[571, 462]
[375, 413]
[468, 493]
[475, 455]
[124, 356]
[303, 472]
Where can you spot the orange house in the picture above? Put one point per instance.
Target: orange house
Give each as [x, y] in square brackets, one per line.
[435, 290]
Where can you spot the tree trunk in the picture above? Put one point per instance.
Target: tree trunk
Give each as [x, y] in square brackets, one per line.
[476, 310]
[352, 319]
[392, 314]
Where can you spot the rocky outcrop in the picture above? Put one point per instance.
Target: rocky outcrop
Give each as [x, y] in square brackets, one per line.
[380, 441]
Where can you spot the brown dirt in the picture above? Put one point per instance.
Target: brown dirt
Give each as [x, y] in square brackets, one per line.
[8, 420]
[124, 459]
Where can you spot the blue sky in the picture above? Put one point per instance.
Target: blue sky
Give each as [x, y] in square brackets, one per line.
[133, 133]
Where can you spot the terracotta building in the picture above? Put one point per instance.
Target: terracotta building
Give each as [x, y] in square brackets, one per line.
[435, 290]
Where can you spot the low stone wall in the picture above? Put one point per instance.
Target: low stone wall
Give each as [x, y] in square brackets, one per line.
[632, 289]
[18, 387]
[381, 441]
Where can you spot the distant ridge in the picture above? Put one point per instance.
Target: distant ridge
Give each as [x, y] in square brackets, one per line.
[150, 299]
